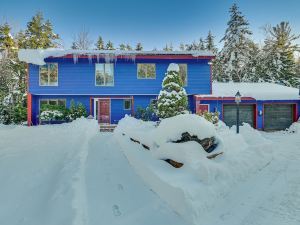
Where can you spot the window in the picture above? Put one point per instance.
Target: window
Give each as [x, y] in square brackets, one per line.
[59, 102]
[183, 73]
[127, 104]
[104, 74]
[146, 71]
[49, 74]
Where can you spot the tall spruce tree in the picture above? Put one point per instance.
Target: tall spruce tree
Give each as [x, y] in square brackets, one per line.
[210, 43]
[235, 52]
[279, 49]
[39, 33]
[122, 47]
[128, 47]
[100, 43]
[139, 47]
[201, 45]
[6, 39]
[172, 99]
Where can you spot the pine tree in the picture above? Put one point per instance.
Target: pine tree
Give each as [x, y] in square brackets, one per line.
[182, 47]
[122, 47]
[235, 52]
[139, 47]
[210, 45]
[128, 47]
[279, 55]
[201, 45]
[6, 39]
[168, 48]
[100, 43]
[39, 33]
[20, 39]
[109, 46]
[172, 99]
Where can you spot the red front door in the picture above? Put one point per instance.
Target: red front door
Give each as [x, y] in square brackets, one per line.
[104, 110]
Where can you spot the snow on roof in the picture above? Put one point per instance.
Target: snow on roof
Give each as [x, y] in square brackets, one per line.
[173, 67]
[37, 56]
[259, 91]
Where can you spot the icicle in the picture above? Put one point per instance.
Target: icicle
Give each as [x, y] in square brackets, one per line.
[108, 58]
[98, 57]
[132, 57]
[90, 58]
[75, 58]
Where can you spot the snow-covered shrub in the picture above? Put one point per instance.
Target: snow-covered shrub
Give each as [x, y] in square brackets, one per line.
[146, 114]
[51, 115]
[54, 113]
[77, 111]
[212, 117]
[172, 99]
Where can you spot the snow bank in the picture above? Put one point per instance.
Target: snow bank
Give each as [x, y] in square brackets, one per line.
[194, 188]
[259, 91]
[37, 56]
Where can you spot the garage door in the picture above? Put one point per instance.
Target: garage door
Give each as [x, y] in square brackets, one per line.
[246, 114]
[278, 116]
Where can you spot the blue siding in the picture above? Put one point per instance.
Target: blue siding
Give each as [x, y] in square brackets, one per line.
[79, 78]
[117, 110]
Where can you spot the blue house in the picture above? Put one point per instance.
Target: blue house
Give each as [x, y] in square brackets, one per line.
[111, 84]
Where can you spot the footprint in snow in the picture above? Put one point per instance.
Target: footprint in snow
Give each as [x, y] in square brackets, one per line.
[116, 210]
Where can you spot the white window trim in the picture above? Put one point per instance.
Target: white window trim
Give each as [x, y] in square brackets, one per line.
[113, 70]
[48, 71]
[124, 104]
[144, 78]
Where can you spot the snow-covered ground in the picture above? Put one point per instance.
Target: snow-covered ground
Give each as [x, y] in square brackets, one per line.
[72, 174]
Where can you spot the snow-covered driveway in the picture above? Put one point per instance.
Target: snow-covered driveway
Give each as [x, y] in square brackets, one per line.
[63, 175]
[272, 196]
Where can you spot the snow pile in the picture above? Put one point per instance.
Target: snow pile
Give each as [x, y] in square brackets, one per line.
[194, 188]
[171, 129]
[259, 91]
[295, 127]
[38, 56]
[173, 67]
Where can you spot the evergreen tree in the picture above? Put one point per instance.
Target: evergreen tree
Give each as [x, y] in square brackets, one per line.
[128, 47]
[139, 47]
[100, 43]
[109, 46]
[210, 45]
[168, 47]
[182, 47]
[39, 33]
[201, 45]
[122, 47]
[6, 39]
[235, 52]
[172, 99]
[20, 39]
[192, 47]
[279, 49]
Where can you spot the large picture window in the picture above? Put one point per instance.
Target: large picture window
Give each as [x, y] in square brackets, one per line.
[104, 74]
[58, 102]
[183, 73]
[146, 70]
[49, 74]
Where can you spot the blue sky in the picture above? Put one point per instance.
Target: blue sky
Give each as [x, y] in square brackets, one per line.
[154, 22]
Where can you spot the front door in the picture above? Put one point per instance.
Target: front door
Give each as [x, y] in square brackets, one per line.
[104, 111]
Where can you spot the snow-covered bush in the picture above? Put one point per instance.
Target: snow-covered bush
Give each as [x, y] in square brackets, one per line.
[51, 115]
[212, 117]
[77, 111]
[147, 114]
[172, 99]
[54, 113]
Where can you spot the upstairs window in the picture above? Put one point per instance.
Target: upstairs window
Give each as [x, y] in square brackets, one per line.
[104, 74]
[146, 71]
[49, 74]
[183, 73]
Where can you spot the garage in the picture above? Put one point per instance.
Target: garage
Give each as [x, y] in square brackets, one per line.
[247, 114]
[278, 116]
